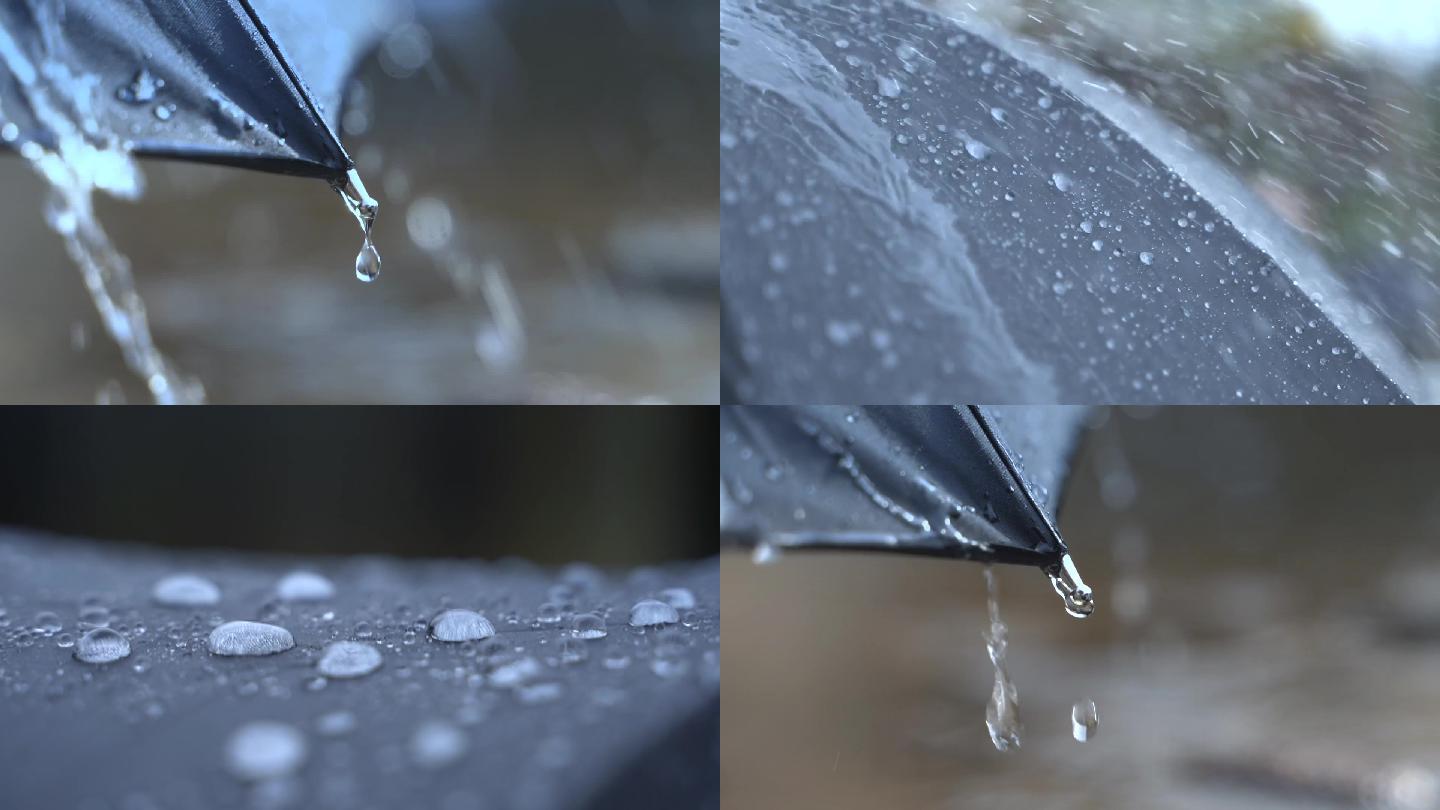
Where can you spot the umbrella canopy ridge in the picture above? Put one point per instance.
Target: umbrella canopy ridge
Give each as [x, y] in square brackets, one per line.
[932, 480]
[911, 212]
[206, 80]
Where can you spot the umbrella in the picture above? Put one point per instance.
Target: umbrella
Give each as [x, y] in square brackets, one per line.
[531, 717]
[966, 482]
[252, 83]
[913, 212]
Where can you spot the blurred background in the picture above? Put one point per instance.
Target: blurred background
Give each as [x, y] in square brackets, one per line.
[613, 486]
[1267, 635]
[547, 174]
[1328, 109]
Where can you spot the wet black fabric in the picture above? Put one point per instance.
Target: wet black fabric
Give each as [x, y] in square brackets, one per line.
[968, 482]
[911, 213]
[252, 83]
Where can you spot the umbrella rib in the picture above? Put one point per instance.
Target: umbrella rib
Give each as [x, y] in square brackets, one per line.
[1014, 472]
[301, 89]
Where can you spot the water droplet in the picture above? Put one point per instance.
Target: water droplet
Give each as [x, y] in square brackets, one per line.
[589, 625]
[1079, 599]
[185, 590]
[649, 613]
[250, 638]
[1083, 720]
[304, 586]
[65, 641]
[101, 646]
[549, 613]
[334, 724]
[539, 693]
[887, 86]
[1002, 714]
[460, 625]
[164, 111]
[437, 744]
[367, 263]
[1062, 181]
[678, 598]
[976, 149]
[47, 623]
[141, 89]
[998, 114]
[515, 672]
[9, 132]
[349, 659]
[1146, 257]
[263, 750]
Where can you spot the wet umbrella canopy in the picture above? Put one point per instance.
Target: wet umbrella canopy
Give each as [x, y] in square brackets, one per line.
[911, 211]
[962, 482]
[252, 83]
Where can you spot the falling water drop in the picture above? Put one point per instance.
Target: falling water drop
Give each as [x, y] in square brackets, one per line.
[264, 750]
[1083, 720]
[1002, 715]
[185, 590]
[1079, 599]
[101, 646]
[349, 659]
[650, 612]
[460, 625]
[250, 638]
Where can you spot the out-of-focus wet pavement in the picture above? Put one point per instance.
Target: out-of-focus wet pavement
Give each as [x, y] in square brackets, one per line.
[1267, 636]
[583, 168]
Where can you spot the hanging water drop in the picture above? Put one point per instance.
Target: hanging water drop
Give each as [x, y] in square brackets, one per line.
[1079, 599]
[367, 262]
[363, 207]
[185, 590]
[101, 646]
[1002, 715]
[349, 659]
[250, 638]
[1083, 720]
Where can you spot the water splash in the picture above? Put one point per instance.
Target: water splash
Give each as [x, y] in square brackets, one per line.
[77, 160]
[1002, 716]
[1079, 599]
[364, 207]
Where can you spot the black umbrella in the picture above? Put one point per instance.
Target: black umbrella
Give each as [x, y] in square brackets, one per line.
[966, 482]
[253, 83]
[912, 213]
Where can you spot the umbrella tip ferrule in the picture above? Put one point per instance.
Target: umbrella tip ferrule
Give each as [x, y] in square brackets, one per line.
[357, 198]
[1079, 599]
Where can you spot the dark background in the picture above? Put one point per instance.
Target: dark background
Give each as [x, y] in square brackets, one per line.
[608, 485]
